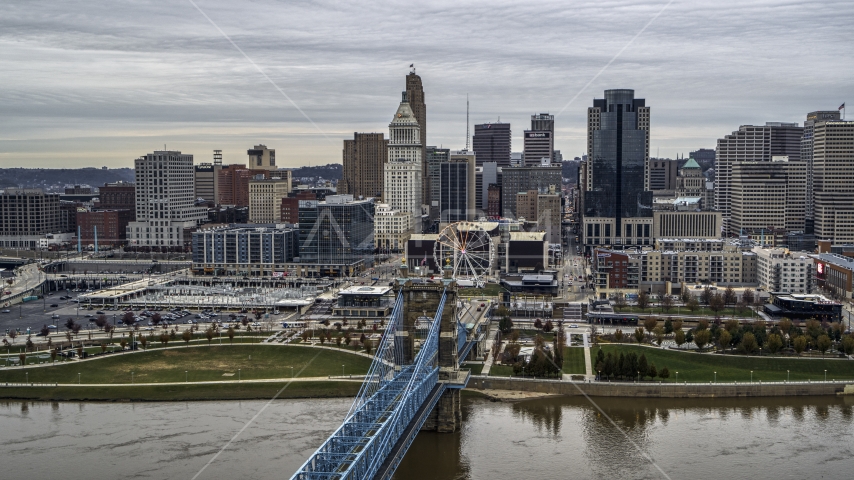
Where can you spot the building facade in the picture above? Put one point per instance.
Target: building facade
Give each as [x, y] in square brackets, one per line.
[523, 179]
[779, 270]
[690, 182]
[833, 180]
[336, 235]
[418, 105]
[265, 198]
[118, 196]
[687, 225]
[392, 228]
[403, 182]
[616, 184]
[364, 159]
[234, 184]
[27, 214]
[767, 196]
[663, 173]
[165, 195]
[538, 145]
[541, 207]
[262, 158]
[257, 250]
[109, 225]
[751, 143]
[457, 188]
[207, 178]
[492, 143]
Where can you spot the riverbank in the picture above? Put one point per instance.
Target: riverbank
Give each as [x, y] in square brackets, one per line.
[184, 392]
[659, 390]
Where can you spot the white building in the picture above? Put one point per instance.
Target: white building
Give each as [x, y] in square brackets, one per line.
[165, 194]
[391, 228]
[402, 182]
[779, 270]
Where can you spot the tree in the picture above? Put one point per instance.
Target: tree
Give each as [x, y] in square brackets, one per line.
[703, 324]
[701, 338]
[706, 295]
[322, 338]
[747, 296]
[13, 334]
[53, 353]
[664, 374]
[143, 341]
[649, 324]
[23, 358]
[677, 324]
[652, 372]
[187, 336]
[639, 335]
[338, 341]
[668, 326]
[109, 329]
[643, 366]
[823, 343]
[679, 337]
[505, 325]
[69, 324]
[729, 296]
[156, 319]
[548, 326]
[368, 346]
[618, 335]
[123, 343]
[848, 344]
[45, 332]
[658, 332]
[100, 321]
[538, 324]
[717, 303]
[724, 339]
[620, 301]
[209, 335]
[643, 300]
[685, 296]
[128, 318]
[164, 339]
[774, 343]
[748, 343]
[666, 302]
[103, 347]
[230, 334]
[693, 304]
[799, 344]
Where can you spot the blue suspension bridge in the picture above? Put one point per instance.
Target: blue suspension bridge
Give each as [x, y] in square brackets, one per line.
[413, 380]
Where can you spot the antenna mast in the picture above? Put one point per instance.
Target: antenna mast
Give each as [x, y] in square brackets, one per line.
[467, 121]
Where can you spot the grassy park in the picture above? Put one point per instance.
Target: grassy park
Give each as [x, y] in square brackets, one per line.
[678, 311]
[573, 361]
[701, 367]
[208, 363]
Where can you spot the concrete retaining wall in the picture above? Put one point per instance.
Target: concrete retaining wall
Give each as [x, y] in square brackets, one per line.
[655, 390]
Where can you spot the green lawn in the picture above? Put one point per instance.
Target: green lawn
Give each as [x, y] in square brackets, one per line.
[573, 360]
[200, 363]
[698, 367]
[475, 368]
[501, 370]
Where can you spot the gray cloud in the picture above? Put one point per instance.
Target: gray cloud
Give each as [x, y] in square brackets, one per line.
[102, 82]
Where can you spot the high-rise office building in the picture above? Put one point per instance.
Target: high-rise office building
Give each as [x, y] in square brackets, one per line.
[703, 155]
[543, 122]
[617, 206]
[543, 208]
[262, 158]
[337, 234]
[27, 214]
[364, 158]
[806, 157]
[539, 146]
[751, 143]
[403, 179]
[767, 196]
[833, 180]
[523, 179]
[690, 181]
[118, 196]
[233, 184]
[435, 156]
[662, 174]
[491, 143]
[485, 175]
[457, 188]
[415, 96]
[165, 196]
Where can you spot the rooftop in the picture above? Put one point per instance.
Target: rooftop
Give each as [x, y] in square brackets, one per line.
[363, 290]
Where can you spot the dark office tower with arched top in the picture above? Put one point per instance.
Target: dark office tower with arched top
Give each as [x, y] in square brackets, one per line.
[415, 95]
[617, 199]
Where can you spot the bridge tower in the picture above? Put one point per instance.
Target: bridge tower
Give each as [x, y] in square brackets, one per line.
[421, 299]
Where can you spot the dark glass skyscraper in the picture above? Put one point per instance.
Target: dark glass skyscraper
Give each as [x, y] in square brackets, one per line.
[617, 183]
[491, 143]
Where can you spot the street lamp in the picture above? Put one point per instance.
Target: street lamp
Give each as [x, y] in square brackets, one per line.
[292, 372]
[238, 375]
[716, 377]
[78, 378]
[751, 376]
[825, 375]
[342, 370]
[787, 375]
[677, 377]
[131, 378]
[185, 376]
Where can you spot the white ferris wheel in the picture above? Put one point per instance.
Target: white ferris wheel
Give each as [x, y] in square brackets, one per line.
[468, 249]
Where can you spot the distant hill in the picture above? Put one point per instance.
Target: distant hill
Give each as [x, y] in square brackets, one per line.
[57, 178]
[331, 171]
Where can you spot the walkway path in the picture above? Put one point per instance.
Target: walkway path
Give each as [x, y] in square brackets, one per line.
[351, 378]
[487, 364]
[588, 363]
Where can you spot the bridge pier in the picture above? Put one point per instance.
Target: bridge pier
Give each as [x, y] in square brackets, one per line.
[446, 416]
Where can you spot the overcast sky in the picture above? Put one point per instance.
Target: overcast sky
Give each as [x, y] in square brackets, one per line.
[101, 82]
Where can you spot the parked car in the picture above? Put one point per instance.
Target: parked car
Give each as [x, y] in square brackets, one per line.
[53, 305]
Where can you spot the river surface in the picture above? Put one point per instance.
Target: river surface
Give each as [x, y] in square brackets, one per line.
[566, 437]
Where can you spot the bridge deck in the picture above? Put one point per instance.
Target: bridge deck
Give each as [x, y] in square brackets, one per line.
[397, 452]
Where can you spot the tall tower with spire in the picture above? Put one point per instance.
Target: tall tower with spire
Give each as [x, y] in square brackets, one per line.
[415, 94]
[404, 177]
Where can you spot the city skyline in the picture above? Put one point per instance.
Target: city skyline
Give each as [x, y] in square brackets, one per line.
[90, 90]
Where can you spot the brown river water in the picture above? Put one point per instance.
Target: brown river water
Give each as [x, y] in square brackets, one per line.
[566, 437]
